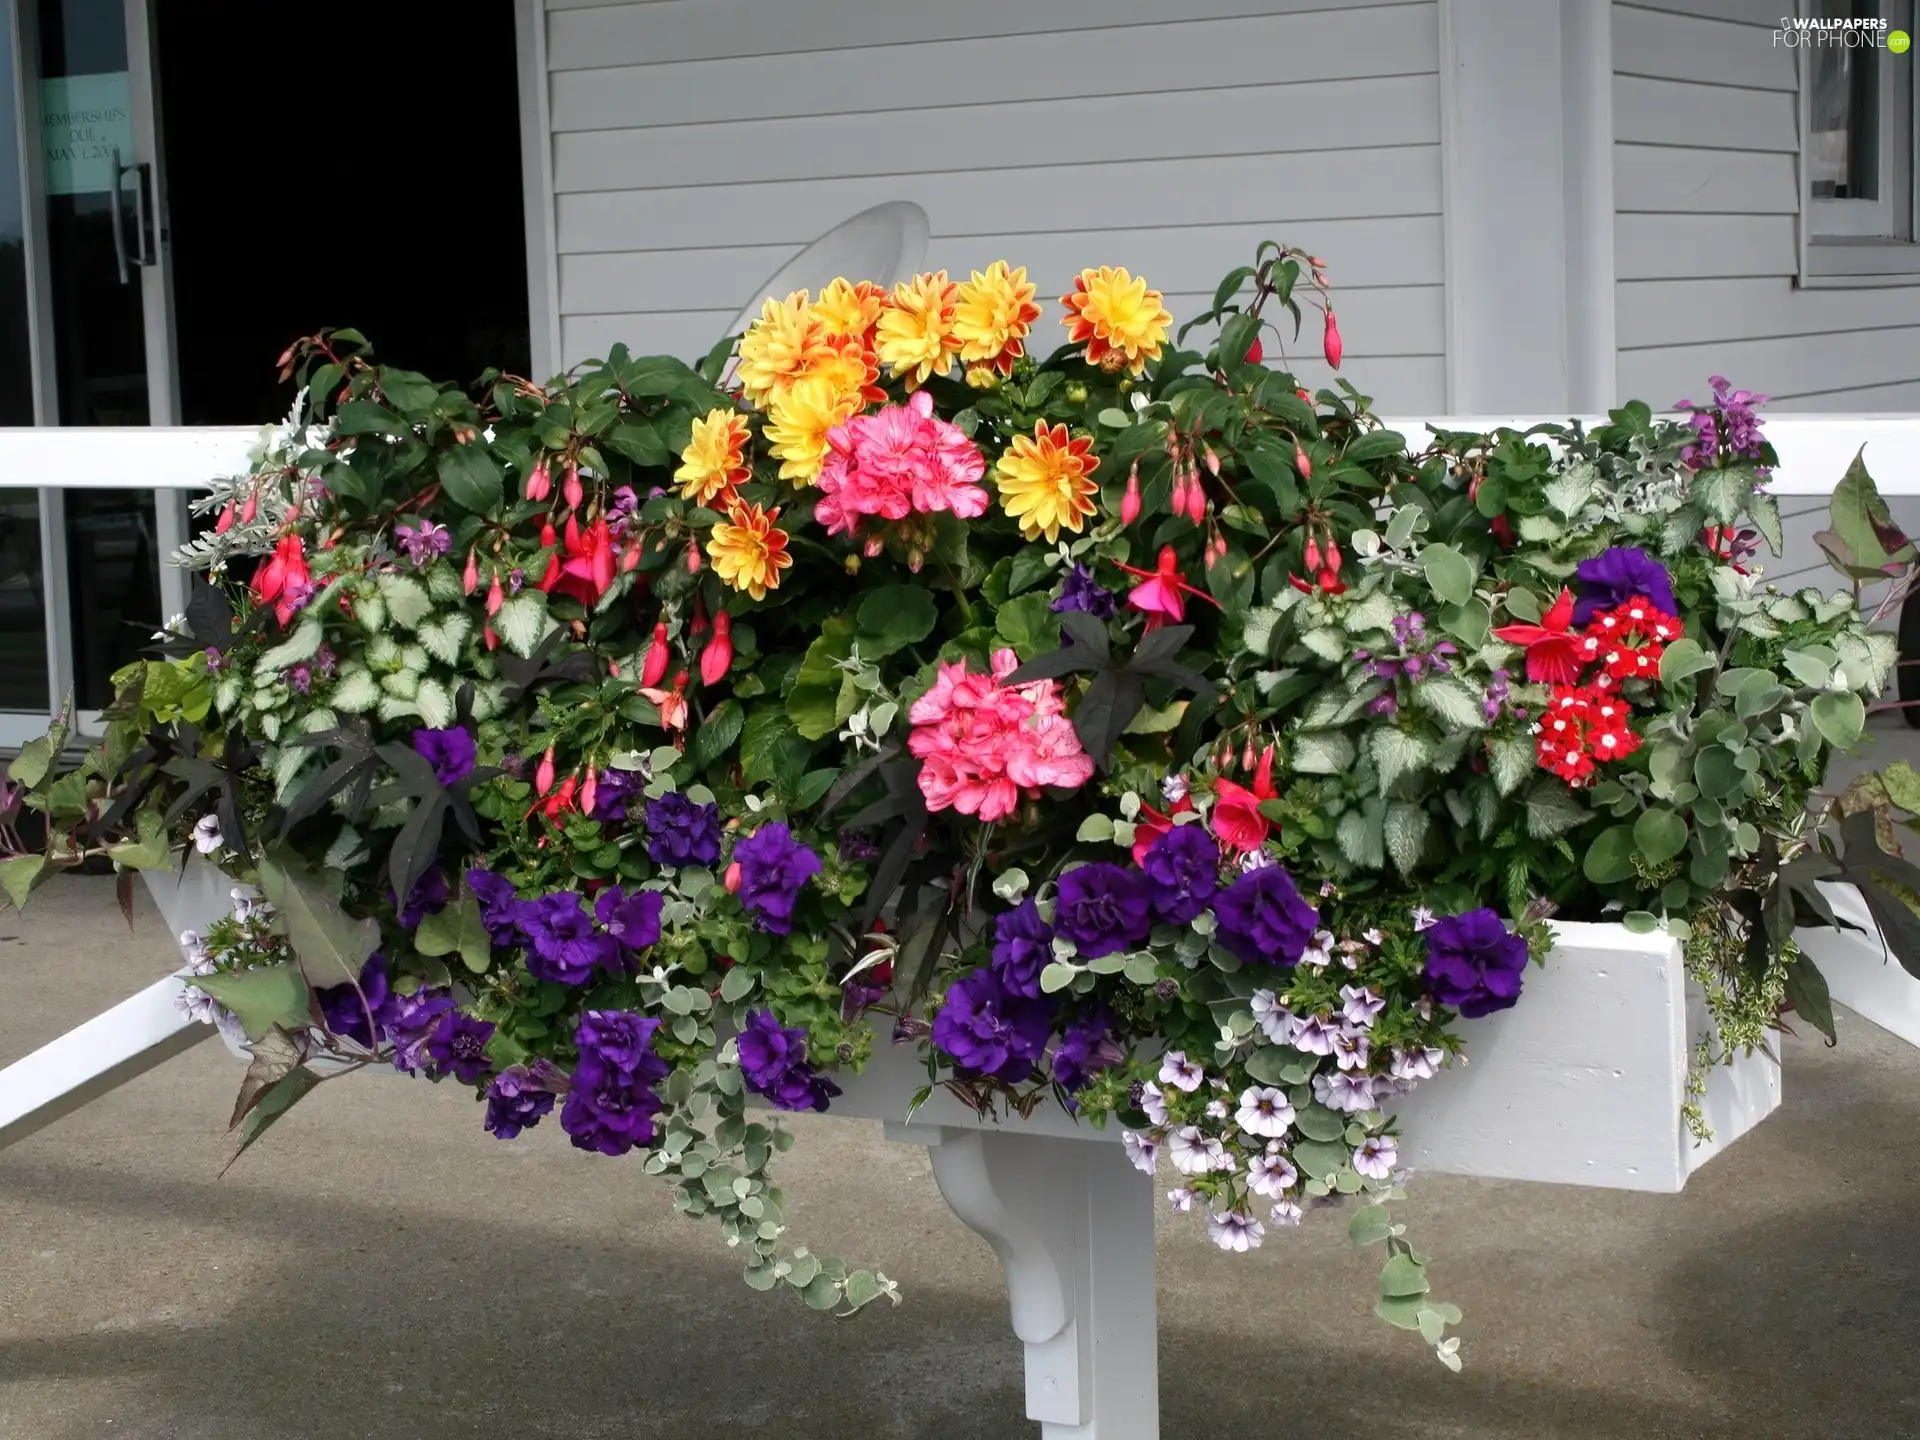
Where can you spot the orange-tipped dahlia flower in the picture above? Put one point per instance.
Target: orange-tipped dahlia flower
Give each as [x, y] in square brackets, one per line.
[1122, 323]
[715, 458]
[916, 338]
[748, 550]
[1046, 481]
[992, 314]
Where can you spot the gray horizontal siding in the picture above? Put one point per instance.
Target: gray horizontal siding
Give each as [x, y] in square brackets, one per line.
[694, 153]
[1706, 183]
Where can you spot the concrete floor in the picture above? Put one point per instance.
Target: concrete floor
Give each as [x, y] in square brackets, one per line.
[380, 1267]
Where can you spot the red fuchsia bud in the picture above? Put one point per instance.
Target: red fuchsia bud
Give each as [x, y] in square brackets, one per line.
[1320, 278]
[698, 625]
[717, 658]
[1303, 395]
[1330, 341]
[1212, 461]
[1246, 755]
[1300, 461]
[539, 482]
[1316, 262]
[543, 774]
[492, 637]
[1311, 556]
[1255, 354]
[1330, 582]
[732, 880]
[251, 508]
[1333, 556]
[629, 557]
[225, 522]
[693, 557]
[1502, 529]
[571, 488]
[549, 539]
[496, 597]
[588, 789]
[470, 577]
[1473, 487]
[1210, 559]
[654, 668]
[1130, 502]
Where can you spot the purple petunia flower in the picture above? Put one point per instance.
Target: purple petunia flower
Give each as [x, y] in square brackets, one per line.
[345, 1013]
[499, 906]
[515, 1101]
[680, 832]
[1080, 591]
[459, 1044]
[773, 1060]
[1022, 948]
[422, 541]
[565, 946]
[1183, 870]
[988, 1030]
[1262, 918]
[621, 1040]
[773, 868]
[1615, 577]
[608, 1111]
[1474, 963]
[1102, 908]
[1086, 1048]
[410, 1021]
[449, 751]
[613, 792]
[632, 919]
[428, 897]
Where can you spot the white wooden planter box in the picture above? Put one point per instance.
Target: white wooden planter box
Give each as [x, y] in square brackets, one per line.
[1581, 1083]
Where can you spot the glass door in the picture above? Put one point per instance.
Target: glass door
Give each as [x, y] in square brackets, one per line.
[98, 293]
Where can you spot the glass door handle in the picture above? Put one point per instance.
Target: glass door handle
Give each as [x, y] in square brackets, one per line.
[142, 179]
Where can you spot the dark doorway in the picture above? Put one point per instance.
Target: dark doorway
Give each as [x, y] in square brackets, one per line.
[361, 172]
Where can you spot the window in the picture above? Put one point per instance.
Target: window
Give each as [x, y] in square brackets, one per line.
[1858, 102]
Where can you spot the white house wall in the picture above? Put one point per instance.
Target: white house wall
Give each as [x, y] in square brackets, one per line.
[698, 144]
[1706, 186]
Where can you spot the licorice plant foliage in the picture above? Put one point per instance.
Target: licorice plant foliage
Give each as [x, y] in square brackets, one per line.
[1127, 729]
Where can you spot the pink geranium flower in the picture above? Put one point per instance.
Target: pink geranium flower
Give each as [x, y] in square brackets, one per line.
[984, 744]
[897, 462]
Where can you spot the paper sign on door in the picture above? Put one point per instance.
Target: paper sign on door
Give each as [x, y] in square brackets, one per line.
[82, 119]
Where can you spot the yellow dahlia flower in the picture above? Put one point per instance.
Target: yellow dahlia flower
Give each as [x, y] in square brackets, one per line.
[786, 342]
[992, 314]
[1122, 323]
[748, 550]
[714, 460]
[916, 336]
[850, 310]
[1045, 482]
[798, 421]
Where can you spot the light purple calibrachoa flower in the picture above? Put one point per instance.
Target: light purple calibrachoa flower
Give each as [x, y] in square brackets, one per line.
[1182, 1197]
[1271, 1175]
[1474, 963]
[449, 752]
[1418, 1064]
[1102, 908]
[1616, 576]
[1287, 1212]
[773, 868]
[1350, 1049]
[1153, 1103]
[1344, 1090]
[1193, 1153]
[1022, 948]
[422, 541]
[773, 1060]
[515, 1102]
[1264, 1111]
[459, 1045]
[1314, 1034]
[1142, 1150]
[989, 1030]
[1262, 918]
[1179, 1072]
[1360, 1005]
[683, 832]
[1275, 1020]
[206, 834]
[1376, 1157]
[1232, 1230]
[1183, 872]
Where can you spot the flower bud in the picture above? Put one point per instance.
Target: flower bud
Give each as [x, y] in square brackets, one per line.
[571, 488]
[539, 482]
[1247, 756]
[496, 597]
[654, 668]
[1212, 461]
[693, 557]
[717, 658]
[470, 577]
[543, 774]
[250, 508]
[732, 879]
[1255, 352]
[225, 522]
[588, 789]
[698, 625]
[1076, 393]
[1300, 461]
[1312, 555]
[1303, 394]
[491, 636]
[1130, 502]
[1333, 556]
[1330, 341]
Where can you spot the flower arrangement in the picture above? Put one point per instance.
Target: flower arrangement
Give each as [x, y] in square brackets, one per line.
[1127, 728]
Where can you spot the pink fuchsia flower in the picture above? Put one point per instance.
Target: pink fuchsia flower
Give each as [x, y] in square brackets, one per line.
[1162, 592]
[1236, 820]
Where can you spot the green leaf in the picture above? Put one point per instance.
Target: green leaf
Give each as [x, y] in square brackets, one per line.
[1807, 994]
[1397, 752]
[1403, 1312]
[366, 417]
[470, 478]
[331, 946]
[1405, 832]
[1610, 857]
[1863, 522]
[274, 1101]
[1317, 1122]
[260, 999]
[1682, 658]
[1903, 785]
[737, 984]
[1027, 624]
[456, 929]
[1840, 718]
[1320, 1158]
[1448, 572]
[894, 617]
[1511, 758]
[522, 622]
[1056, 977]
[19, 875]
[1369, 1226]
[1723, 493]
[1660, 834]
[1094, 830]
[1640, 922]
[1716, 772]
[716, 734]
[1450, 702]
[1402, 1276]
